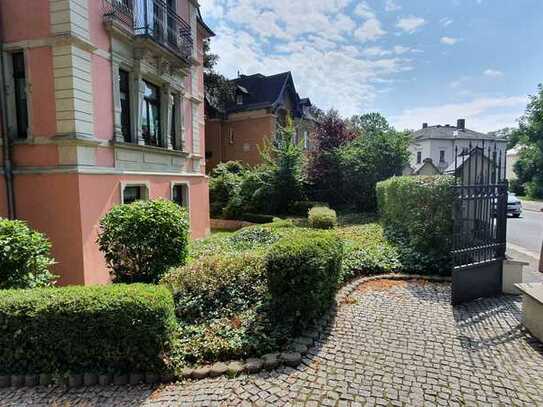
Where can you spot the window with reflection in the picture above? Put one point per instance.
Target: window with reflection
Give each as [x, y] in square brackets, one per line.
[150, 124]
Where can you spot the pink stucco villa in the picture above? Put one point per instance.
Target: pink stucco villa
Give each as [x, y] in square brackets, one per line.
[103, 104]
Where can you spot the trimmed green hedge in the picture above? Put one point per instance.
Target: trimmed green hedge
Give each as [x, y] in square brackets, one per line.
[303, 273]
[116, 328]
[417, 215]
[216, 286]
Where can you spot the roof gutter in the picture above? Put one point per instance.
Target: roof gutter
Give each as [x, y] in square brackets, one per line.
[6, 148]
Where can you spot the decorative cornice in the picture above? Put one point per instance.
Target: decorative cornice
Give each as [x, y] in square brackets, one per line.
[92, 170]
[152, 149]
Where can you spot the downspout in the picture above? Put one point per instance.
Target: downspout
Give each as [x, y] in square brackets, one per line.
[8, 170]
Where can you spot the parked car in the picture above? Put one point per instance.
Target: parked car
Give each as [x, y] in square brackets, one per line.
[514, 205]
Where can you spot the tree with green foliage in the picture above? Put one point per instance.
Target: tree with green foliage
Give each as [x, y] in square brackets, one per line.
[323, 171]
[368, 160]
[219, 90]
[284, 160]
[511, 134]
[529, 167]
[368, 124]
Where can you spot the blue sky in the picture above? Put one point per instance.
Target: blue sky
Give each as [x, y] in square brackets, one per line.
[414, 61]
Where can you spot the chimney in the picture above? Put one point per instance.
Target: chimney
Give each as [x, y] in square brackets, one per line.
[424, 125]
[461, 124]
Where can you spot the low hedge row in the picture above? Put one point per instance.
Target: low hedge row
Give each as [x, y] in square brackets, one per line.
[100, 329]
[417, 216]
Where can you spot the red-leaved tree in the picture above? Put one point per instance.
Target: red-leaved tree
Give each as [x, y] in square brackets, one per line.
[323, 170]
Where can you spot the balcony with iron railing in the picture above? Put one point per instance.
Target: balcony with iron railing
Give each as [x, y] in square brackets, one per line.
[153, 19]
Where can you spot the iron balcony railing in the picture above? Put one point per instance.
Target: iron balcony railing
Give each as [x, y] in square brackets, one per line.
[154, 19]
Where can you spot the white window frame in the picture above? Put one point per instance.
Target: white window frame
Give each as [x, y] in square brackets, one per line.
[142, 184]
[186, 193]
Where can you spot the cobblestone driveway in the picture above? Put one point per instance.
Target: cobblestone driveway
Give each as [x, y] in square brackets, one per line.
[392, 344]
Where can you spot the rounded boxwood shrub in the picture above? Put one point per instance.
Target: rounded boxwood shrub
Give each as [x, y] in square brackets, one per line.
[25, 256]
[101, 329]
[303, 271]
[142, 240]
[322, 217]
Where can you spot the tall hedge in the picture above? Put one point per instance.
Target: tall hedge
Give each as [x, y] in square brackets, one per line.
[116, 328]
[417, 215]
[303, 273]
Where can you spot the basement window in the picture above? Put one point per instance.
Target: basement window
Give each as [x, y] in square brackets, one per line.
[132, 193]
[180, 194]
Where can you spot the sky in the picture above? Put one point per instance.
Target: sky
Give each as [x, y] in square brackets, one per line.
[414, 61]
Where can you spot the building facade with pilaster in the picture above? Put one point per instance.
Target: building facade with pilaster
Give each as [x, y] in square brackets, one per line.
[102, 105]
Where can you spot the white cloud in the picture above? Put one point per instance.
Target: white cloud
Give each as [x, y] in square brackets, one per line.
[390, 5]
[370, 30]
[482, 114]
[398, 49]
[339, 77]
[211, 9]
[327, 51]
[364, 10]
[376, 52]
[493, 73]
[410, 24]
[445, 21]
[449, 40]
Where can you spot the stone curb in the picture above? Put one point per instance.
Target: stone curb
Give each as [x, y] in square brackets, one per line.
[291, 357]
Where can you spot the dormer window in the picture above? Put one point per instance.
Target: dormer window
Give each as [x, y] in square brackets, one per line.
[239, 99]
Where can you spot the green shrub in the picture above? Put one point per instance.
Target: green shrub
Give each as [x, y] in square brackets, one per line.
[302, 273]
[322, 218]
[251, 237]
[367, 251]
[25, 256]
[534, 188]
[417, 216]
[216, 286]
[116, 328]
[516, 187]
[302, 208]
[141, 241]
[257, 218]
[224, 187]
[367, 160]
[219, 301]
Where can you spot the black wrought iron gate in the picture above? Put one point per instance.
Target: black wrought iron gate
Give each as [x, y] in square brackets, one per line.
[480, 223]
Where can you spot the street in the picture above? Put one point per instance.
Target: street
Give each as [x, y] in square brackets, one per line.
[524, 237]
